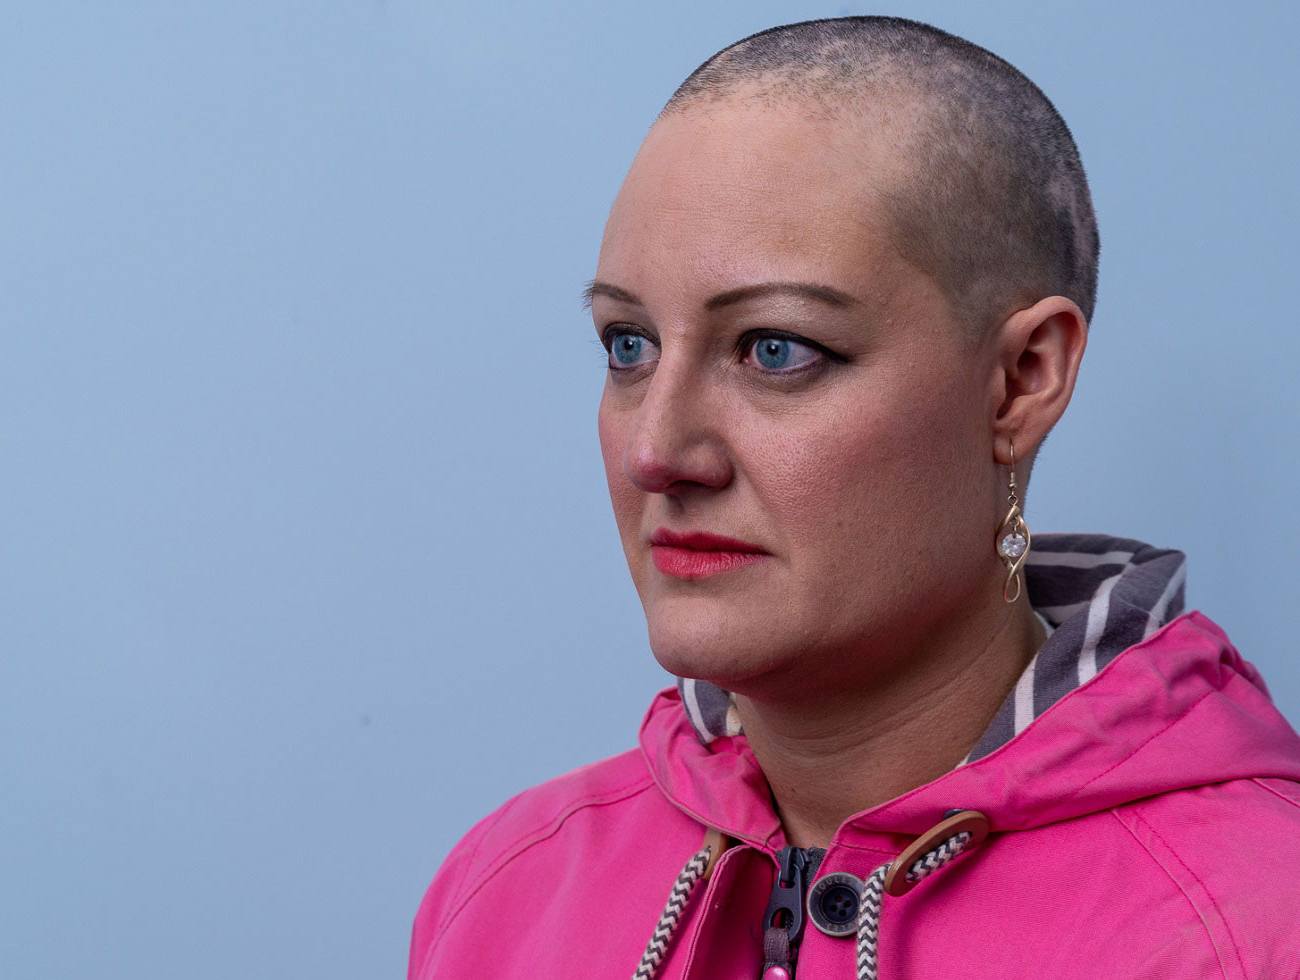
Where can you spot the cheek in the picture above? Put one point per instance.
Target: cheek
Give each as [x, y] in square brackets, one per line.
[824, 480]
[869, 486]
[609, 441]
[623, 494]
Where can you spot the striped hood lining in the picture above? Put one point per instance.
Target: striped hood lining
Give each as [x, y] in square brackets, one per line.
[1098, 595]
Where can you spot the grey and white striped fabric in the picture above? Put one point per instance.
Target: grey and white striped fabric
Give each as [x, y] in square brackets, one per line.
[1098, 595]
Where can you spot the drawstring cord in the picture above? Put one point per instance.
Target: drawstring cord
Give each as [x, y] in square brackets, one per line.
[873, 896]
[697, 869]
[918, 859]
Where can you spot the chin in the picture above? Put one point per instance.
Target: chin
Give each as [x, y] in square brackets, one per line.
[699, 650]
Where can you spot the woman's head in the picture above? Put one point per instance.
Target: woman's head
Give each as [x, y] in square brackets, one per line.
[858, 431]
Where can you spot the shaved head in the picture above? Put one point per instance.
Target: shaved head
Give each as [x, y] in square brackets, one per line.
[986, 192]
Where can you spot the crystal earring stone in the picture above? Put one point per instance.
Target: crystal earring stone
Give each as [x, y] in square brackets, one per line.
[1013, 545]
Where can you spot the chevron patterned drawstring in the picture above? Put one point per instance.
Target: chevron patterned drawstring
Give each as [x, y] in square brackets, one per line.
[873, 893]
[693, 873]
[701, 864]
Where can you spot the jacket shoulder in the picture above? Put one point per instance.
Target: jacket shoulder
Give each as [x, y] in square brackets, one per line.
[526, 819]
[1227, 847]
[1223, 822]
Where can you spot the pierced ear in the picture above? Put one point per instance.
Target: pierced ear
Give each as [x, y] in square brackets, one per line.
[1009, 445]
[1002, 450]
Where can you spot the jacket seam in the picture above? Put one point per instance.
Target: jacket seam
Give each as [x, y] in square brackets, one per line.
[1280, 796]
[469, 860]
[465, 870]
[710, 890]
[482, 835]
[1227, 926]
[1209, 936]
[1145, 742]
[522, 844]
[864, 848]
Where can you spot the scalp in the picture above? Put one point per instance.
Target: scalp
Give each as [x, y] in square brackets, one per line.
[987, 195]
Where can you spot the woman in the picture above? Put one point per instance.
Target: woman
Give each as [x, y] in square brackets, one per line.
[845, 290]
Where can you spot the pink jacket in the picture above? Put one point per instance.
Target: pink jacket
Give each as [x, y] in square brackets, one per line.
[1133, 811]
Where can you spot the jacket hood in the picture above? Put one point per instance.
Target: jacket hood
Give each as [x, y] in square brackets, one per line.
[1128, 697]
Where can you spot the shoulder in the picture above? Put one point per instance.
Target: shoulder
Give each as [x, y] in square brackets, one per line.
[1222, 823]
[1228, 848]
[540, 811]
[541, 817]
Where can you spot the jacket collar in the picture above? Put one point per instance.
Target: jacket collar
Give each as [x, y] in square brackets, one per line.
[1094, 721]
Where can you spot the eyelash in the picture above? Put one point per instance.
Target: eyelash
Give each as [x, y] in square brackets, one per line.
[743, 345]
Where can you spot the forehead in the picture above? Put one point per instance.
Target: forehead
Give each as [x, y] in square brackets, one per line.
[742, 192]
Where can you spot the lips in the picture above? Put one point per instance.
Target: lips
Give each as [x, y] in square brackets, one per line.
[698, 554]
[703, 541]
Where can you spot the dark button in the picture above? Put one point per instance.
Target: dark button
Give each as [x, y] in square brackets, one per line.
[833, 903]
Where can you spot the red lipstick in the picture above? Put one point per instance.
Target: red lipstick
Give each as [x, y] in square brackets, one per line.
[697, 554]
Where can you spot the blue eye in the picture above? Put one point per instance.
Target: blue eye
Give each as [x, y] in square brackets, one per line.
[774, 353]
[625, 348]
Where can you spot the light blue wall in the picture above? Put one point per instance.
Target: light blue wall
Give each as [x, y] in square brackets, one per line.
[307, 560]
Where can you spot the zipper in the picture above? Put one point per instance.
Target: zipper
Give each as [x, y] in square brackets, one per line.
[784, 919]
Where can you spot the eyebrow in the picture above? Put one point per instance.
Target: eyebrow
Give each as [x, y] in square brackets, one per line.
[809, 290]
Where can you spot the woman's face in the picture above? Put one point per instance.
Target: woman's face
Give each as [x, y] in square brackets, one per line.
[848, 436]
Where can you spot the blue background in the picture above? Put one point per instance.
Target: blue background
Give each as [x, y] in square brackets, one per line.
[308, 560]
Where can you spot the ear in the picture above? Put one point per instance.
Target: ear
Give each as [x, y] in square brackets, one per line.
[1039, 352]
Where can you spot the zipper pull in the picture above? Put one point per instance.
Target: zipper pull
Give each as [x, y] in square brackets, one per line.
[783, 922]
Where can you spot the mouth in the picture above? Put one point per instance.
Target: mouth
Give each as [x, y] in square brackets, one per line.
[699, 554]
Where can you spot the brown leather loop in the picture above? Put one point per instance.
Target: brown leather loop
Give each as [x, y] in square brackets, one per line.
[976, 823]
[718, 842]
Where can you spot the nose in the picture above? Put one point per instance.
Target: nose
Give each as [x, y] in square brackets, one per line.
[676, 439]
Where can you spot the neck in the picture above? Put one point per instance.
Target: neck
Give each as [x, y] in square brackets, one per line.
[847, 748]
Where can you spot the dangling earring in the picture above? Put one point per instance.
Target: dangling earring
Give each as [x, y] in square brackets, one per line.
[1013, 538]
